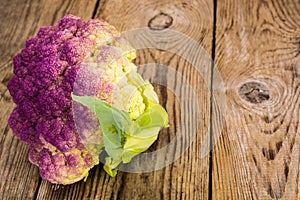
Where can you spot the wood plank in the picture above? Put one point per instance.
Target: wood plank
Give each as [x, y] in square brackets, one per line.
[19, 21]
[258, 54]
[187, 178]
[22, 19]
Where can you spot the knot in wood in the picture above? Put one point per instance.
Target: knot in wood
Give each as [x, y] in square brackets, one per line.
[254, 92]
[160, 21]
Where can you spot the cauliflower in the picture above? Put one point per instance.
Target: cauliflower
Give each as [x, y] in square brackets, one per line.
[118, 111]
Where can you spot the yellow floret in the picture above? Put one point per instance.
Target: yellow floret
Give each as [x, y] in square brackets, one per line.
[136, 105]
[129, 99]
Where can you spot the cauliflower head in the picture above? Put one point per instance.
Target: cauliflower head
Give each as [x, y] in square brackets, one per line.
[81, 60]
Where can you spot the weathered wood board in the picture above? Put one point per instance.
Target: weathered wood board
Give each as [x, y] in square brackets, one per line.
[256, 46]
[257, 53]
[19, 21]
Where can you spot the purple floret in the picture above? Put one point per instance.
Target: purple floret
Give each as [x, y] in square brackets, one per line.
[23, 128]
[29, 110]
[59, 159]
[53, 102]
[73, 50]
[45, 33]
[28, 55]
[60, 37]
[15, 88]
[30, 87]
[45, 158]
[48, 73]
[57, 133]
[49, 50]
[28, 135]
[72, 160]
[20, 68]
[69, 78]
[70, 23]
[16, 121]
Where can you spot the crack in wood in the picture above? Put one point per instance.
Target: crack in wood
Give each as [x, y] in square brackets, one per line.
[95, 9]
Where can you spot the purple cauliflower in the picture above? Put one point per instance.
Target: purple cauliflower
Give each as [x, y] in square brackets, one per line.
[44, 76]
[91, 60]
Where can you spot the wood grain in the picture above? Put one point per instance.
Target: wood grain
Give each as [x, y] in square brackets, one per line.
[186, 178]
[258, 54]
[19, 21]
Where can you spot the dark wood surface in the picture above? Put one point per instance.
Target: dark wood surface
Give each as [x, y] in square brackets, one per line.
[256, 48]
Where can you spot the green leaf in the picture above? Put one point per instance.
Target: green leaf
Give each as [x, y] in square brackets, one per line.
[123, 137]
[111, 119]
[113, 123]
[154, 116]
[138, 145]
[146, 129]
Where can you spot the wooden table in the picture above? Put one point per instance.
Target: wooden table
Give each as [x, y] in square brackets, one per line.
[256, 48]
